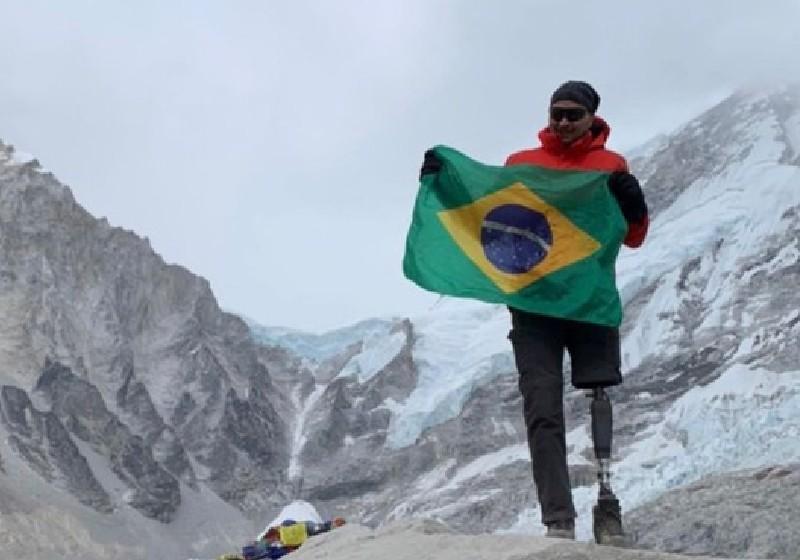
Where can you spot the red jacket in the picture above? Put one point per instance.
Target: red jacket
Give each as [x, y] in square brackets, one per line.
[589, 153]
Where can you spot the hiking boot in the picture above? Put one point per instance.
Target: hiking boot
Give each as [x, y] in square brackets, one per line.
[563, 529]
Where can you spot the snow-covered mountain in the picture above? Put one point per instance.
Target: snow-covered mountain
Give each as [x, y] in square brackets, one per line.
[131, 405]
[425, 420]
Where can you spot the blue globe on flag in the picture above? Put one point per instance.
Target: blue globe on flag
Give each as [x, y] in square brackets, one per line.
[515, 238]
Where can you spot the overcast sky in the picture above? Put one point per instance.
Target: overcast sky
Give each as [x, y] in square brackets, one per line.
[273, 147]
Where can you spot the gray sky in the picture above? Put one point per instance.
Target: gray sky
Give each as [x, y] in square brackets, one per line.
[273, 147]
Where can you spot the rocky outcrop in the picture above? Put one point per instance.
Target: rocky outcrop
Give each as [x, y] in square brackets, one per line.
[350, 422]
[79, 405]
[750, 514]
[133, 354]
[45, 445]
[426, 539]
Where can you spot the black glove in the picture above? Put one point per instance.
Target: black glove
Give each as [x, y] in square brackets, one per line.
[430, 165]
[629, 195]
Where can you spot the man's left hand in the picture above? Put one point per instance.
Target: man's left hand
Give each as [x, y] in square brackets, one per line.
[625, 188]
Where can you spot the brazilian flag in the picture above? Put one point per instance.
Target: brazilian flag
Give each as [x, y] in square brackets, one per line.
[537, 239]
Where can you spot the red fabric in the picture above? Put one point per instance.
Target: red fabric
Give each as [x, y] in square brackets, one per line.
[587, 153]
[637, 233]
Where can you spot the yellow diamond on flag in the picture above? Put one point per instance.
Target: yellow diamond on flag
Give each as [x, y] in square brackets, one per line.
[516, 238]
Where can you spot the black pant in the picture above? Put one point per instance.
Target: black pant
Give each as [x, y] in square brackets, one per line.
[539, 344]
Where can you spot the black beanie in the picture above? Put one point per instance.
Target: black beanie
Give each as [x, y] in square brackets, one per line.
[579, 92]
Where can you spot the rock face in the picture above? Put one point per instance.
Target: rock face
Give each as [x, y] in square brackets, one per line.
[753, 514]
[42, 441]
[123, 383]
[79, 405]
[124, 388]
[431, 540]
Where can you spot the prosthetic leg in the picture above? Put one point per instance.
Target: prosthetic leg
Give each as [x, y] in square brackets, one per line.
[607, 515]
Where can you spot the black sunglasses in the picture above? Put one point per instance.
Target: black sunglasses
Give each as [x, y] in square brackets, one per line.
[572, 114]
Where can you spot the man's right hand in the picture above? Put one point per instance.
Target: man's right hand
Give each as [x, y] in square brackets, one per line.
[430, 165]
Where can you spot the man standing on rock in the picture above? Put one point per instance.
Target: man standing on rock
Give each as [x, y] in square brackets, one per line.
[541, 235]
[574, 140]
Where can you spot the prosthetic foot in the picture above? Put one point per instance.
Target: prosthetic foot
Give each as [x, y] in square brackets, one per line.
[607, 515]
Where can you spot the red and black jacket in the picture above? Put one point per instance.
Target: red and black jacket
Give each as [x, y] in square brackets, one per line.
[587, 153]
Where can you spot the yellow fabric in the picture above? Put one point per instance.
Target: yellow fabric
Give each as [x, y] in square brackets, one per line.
[293, 535]
[570, 244]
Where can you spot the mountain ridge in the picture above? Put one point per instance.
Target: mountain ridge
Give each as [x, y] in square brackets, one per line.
[711, 311]
[120, 370]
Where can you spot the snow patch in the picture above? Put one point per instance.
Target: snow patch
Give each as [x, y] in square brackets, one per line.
[504, 428]
[378, 351]
[579, 440]
[792, 127]
[299, 440]
[434, 477]
[461, 346]
[21, 158]
[746, 418]
[487, 463]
